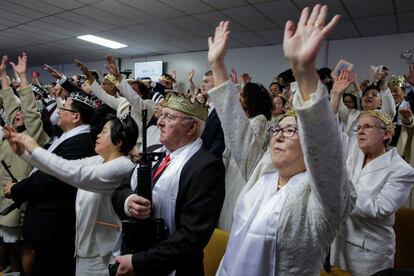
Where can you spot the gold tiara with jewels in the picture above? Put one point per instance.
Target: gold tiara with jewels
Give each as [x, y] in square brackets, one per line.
[193, 105]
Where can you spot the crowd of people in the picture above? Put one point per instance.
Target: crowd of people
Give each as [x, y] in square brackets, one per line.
[308, 171]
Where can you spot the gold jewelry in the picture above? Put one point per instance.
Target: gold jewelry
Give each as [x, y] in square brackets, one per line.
[318, 25]
[382, 116]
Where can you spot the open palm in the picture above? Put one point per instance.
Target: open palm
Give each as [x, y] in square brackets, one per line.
[303, 43]
[52, 71]
[217, 45]
[20, 68]
[3, 65]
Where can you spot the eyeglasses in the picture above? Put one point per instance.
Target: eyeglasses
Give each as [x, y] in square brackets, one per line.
[368, 128]
[69, 110]
[287, 132]
[170, 117]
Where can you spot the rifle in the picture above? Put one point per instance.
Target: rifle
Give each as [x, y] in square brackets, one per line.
[141, 235]
[14, 205]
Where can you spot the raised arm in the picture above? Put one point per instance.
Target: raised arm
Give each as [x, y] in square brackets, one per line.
[33, 122]
[10, 103]
[318, 127]
[89, 174]
[111, 101]
[246, 145]
[126, 90]
[341, 83]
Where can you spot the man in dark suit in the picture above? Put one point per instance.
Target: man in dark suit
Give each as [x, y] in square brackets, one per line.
[49, 221]
[188, 194]
[213, 137]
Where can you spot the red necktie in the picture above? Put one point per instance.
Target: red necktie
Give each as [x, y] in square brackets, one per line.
[162, 166]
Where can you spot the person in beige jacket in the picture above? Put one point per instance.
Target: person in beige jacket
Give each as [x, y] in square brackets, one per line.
[25, 118]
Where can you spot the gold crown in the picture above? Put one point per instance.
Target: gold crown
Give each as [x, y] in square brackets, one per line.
[193, 105]
[166, 77]
[111, 78]
[397, 80]
[280, 81]
[289, 113]
[382, 116]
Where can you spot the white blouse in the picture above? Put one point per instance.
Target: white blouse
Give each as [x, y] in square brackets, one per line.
[254, 243]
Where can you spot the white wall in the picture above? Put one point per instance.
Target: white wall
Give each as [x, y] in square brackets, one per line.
[376, 50]
[263, 63]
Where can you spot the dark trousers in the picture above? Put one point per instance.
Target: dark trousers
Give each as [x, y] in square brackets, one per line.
[54, 258]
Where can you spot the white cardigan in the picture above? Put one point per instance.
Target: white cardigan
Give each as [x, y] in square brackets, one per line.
[315, 207]
[96, 221]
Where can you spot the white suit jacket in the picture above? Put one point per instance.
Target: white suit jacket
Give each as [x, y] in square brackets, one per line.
[382, 187]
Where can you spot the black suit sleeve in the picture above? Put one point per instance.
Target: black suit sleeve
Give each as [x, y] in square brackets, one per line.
[213, 136]
[120, 195]
[198, 208]
[217, 147]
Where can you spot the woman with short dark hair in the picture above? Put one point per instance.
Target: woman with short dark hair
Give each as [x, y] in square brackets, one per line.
[96, 177]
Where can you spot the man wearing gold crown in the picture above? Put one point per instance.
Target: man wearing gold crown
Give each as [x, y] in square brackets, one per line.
[49, 222]
[188, 193]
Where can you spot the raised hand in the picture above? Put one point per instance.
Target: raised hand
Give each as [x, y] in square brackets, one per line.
[190, 76]
[363, 85]
[245, 78]
[112, 67]
[217, 48]
[20, 68]
[233, 76]
[3, 66]
[85, 71]
[410, 76]
[342, 82]
[301, 45]
[217, 45]
[52, 71]
[174, 75]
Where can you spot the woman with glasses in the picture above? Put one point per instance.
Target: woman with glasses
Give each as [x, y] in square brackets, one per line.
[97, 225]
[297, 195]
[382, 180]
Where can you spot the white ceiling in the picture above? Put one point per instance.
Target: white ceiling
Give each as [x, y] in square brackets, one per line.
[47, 29]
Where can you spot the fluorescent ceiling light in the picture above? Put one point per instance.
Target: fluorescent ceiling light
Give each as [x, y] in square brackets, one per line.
[102, 41]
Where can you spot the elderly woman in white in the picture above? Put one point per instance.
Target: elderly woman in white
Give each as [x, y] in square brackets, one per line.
[382, 179]
[97, 225]
[296, 198]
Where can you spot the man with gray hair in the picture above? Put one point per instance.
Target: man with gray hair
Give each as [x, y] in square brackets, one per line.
[188, 193]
